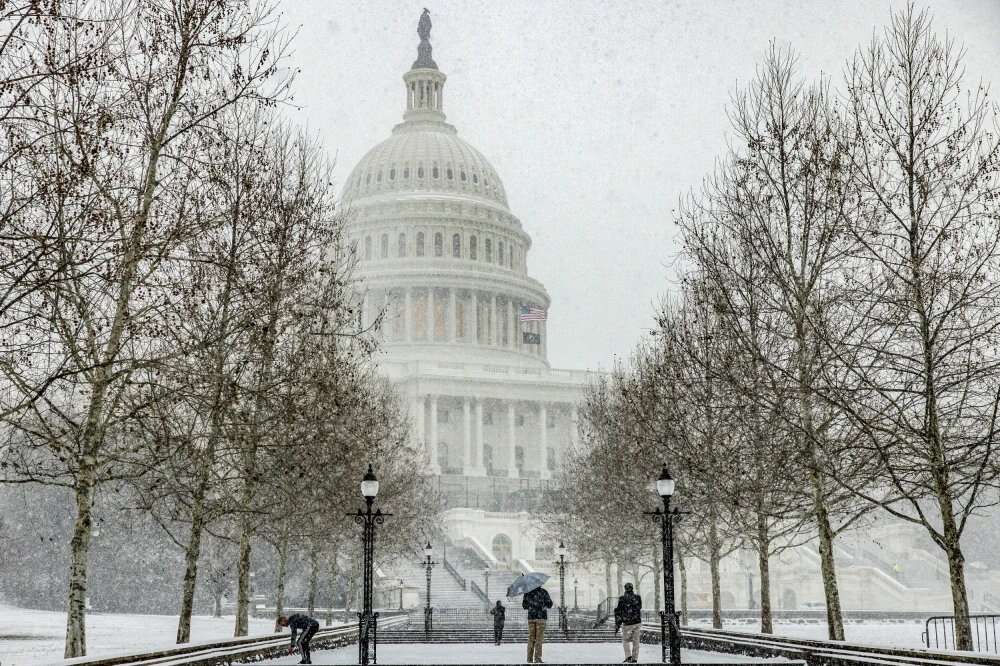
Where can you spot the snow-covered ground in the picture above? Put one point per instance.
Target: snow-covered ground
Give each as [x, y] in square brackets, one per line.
[512, 653]
[37, 637]
[898, 634]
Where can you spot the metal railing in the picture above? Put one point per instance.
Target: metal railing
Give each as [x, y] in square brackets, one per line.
[481, 618]
[459, 578]
[939, 633]
[478, 591]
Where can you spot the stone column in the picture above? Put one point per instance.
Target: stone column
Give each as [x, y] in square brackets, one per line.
[452, 320]
[474, 311]
[469, 462]
[545, 338]
[479, 457]
[407, 315]
[512, 324]
[510, 459]
[493, 321]
[432, 445]
[543, 441]
[430, 314]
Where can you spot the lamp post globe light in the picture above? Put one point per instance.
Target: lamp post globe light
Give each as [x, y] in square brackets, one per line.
[368, 519]
[576, 605]
[561, 551]
[669, 625]
[428, 611]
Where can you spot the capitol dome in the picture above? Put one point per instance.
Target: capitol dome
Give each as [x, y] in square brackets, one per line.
[424, 156]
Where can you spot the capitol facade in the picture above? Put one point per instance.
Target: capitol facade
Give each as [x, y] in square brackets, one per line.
[444, 262]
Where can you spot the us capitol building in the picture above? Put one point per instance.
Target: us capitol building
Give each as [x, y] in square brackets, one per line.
[445, 262]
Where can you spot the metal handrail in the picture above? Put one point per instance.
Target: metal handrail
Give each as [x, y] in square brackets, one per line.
[478, 591]
[454, 573]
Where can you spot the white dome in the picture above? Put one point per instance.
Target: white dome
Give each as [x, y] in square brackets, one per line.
[424, 156]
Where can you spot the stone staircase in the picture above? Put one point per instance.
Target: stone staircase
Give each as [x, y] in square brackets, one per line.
[485, 635]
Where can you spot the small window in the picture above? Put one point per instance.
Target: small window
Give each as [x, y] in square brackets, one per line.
[500, 253]
[438, 245]
[420, 243]
[510, 258]
[406, 172]
[475, 178]
[368, 247]
[392, 173]
[456, 246]
[489, 250]
[520, 420]
[462, 176]
[434, 172]
[378, 178]
[451, 174]
[472, 247]
[368, 178]
[420, 171]
[551, 459]
[401, 248]
[385, 246]
[487, 418]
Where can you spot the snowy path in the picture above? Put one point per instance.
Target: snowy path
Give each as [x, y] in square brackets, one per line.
[896, 634]
[513, 653]
[36, 637]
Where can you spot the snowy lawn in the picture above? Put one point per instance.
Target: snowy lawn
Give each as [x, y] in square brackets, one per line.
[511, 653]
[36, 637]
[897, 634]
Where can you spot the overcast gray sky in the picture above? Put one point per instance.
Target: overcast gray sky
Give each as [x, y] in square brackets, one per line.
[597, 115]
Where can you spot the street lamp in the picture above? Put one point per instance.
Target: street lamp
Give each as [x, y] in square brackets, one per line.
[368, 519]
[401, 594]
[561, 550]
[486, 576]
[576, 606]
[668, 617]
[428, 611]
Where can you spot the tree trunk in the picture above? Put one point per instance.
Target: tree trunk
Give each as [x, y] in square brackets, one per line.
[763, 549]
[218, 604]
[682, 570]
[714, 558]
[279, 588]
[607, 579]
[333, 588]
[618, 579]
[243, 582]
[313, 579]
[657, 576]
[834, 617]
[191, 555]
[76, 632]
[956, 575]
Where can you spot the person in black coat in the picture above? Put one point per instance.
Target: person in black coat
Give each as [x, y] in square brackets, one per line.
[304, 624]
[628, 614]
[498, 612]
[536, 602]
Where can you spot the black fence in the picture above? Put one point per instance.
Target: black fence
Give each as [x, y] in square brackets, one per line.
[480, 618]
[939, 633]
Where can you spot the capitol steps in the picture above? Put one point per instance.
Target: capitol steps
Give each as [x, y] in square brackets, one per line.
[510, 635]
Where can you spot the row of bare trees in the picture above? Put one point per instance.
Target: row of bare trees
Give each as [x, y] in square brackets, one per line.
[179, 318]
[833, 350]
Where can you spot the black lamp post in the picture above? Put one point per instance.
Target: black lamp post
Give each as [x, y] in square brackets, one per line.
[367, 619]
[668, 617]
[563, 624]
[486, 576]
[576, 606]
[428, 611]
[401, 594]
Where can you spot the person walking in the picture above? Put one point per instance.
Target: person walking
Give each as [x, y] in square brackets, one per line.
[498, 612]
[628, 617]
[536, 602]
[300, 622]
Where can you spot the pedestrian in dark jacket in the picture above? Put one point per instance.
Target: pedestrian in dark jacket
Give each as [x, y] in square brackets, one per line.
[498, 612]
[304, 624]
[628, 614]
[536, 602]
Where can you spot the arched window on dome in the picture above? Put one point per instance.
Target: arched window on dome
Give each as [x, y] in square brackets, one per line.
[406, 172]
[401, 247]
[392, 173]
[462, 175]
[420, 171]
[368, 247]
[434, 172]
[473, 242]
[368, 178]
[451, 174]
[378, 178]
[489, 250]
[385, 246]
[475, 178]
[456, 246]
[500, 253]
[510, 259]
[438, 245]
[420, 243]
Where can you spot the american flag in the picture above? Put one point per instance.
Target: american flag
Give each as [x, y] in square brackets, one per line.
[532, 313]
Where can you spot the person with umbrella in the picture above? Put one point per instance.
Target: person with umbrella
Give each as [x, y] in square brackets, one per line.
[537, 602]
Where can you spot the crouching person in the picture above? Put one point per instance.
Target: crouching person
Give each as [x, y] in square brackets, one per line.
[305, 627]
